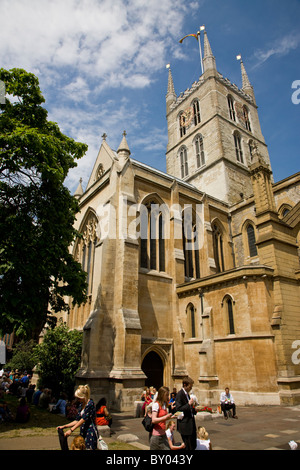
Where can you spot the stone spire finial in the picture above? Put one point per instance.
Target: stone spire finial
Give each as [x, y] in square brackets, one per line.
[123, 147]
[209, 61]
[79, 190]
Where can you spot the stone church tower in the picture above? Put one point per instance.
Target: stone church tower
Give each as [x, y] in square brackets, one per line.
[194, 271]
[218, 124]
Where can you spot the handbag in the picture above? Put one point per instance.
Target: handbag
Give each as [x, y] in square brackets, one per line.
[101, 444]
[147, 423]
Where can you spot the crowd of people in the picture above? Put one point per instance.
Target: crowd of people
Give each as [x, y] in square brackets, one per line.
[18, 384]
[168, 411]
[80, 410]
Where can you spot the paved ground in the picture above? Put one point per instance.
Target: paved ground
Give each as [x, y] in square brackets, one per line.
[257, 428]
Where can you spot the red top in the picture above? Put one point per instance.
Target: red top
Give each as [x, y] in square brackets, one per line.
[159, 429]
[101, 420]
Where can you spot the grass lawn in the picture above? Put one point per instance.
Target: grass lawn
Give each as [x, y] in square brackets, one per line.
[41, 423]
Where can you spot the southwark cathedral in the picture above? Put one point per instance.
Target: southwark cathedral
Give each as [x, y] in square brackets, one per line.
[193, 272]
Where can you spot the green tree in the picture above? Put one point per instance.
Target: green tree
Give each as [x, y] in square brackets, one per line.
[37, 211]
[58, 358]
[23, 357]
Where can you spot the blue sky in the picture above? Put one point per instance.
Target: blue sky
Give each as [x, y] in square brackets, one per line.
[102, 66]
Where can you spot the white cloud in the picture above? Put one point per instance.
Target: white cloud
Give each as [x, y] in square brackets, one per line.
[86, 50]
[280, 47]
[88, 35]
[78, 90]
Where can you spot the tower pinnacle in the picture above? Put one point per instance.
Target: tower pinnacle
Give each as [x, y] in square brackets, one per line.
[247, 87]
[209, 62]
[171, 95]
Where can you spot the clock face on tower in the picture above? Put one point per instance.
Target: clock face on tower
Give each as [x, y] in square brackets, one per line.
[187, 116]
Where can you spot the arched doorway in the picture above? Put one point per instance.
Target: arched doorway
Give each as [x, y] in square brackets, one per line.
[153, 368]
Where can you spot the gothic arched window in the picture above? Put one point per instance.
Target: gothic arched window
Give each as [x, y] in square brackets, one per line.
[191, 321]
[199, 149]
[284, 210]
[153, 236]
[238, 147]
[85, 251]
[191, 242]
[229, 305]
[231, 107]
[251, 241]
[218, 247]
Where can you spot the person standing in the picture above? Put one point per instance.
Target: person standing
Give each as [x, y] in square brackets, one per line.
[158, 439]
[186, 425]
[85, 420]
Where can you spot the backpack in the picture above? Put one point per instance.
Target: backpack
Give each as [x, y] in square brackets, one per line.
[147, 423]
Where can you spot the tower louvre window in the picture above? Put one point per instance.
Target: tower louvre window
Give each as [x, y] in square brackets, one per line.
[246, 118]
[196, 110]
[182, 126]
[251, 149]
[183, 162]
[231, 107]
[238, 147]
[199, 148]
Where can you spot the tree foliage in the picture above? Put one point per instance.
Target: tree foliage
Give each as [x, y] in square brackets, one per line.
[58, 358]
[23, 357]
[37, 211]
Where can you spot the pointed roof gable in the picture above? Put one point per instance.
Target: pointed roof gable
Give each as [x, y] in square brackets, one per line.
[104, 161]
